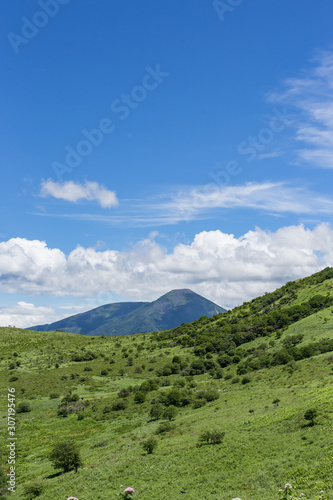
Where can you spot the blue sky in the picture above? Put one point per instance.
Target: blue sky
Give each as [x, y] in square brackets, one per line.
[156, 145]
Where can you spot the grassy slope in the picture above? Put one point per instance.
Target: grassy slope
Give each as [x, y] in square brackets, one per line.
[262, 450]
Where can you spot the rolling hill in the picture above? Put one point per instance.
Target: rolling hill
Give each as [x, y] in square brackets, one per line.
[238, 405]
[124, 318]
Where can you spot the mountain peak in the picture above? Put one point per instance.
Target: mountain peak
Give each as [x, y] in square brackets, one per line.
[168, 311]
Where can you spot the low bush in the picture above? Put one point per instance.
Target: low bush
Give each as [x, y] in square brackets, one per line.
[121, 404]
[211, 437]
[140, 397]
[164, 427]
[33, 489]
[23, 407]
[149, 445]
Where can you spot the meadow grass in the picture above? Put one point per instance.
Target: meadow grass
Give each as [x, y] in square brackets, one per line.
[267, 443]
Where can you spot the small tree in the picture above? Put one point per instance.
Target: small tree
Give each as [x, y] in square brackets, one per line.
[156, 411]
[170, 412]
[149, 445]
[65, 455]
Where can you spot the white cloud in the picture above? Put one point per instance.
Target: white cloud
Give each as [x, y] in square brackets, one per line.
[25, 314]
[223, 268]
[311, 95]
[189, 203]
[268, 196]
[74, 192]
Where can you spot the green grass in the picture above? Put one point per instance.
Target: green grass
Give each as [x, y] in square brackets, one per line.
[267, 441]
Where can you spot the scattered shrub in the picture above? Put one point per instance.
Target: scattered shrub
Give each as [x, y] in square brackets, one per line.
[69, 398]
[156, 411]
[54, 395]
[149, 445]
[23, 407]
[33, 489]
[198, 403]
[121, 404]
[170, 412]
[164, 427]
[211, 395]
[310, 415]
[62, 412]
[123, 393]
[211, 437]
[140, 397]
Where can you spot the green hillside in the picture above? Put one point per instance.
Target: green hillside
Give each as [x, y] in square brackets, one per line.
[239, 404]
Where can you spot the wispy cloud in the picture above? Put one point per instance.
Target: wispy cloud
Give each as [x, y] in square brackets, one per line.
[202, 202]
[74, 192]
[311, 95]
[273, 154]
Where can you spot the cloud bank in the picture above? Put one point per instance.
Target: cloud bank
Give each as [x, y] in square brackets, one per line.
[221, 267]
[25, 314]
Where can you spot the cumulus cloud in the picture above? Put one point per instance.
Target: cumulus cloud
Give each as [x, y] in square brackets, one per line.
[25, 314]
[311, 95]
[74, 192]
[223, 268]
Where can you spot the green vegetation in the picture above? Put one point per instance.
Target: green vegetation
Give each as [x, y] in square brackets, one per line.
[237, 405]
[65, 455]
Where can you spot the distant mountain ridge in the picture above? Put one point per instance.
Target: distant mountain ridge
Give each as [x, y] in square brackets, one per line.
[124, 318]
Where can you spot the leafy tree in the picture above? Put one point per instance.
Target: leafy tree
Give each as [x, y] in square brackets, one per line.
[156, 411]
[170, 412]
[65, 455]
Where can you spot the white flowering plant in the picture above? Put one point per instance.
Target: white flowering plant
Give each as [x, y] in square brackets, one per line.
[288, 492]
